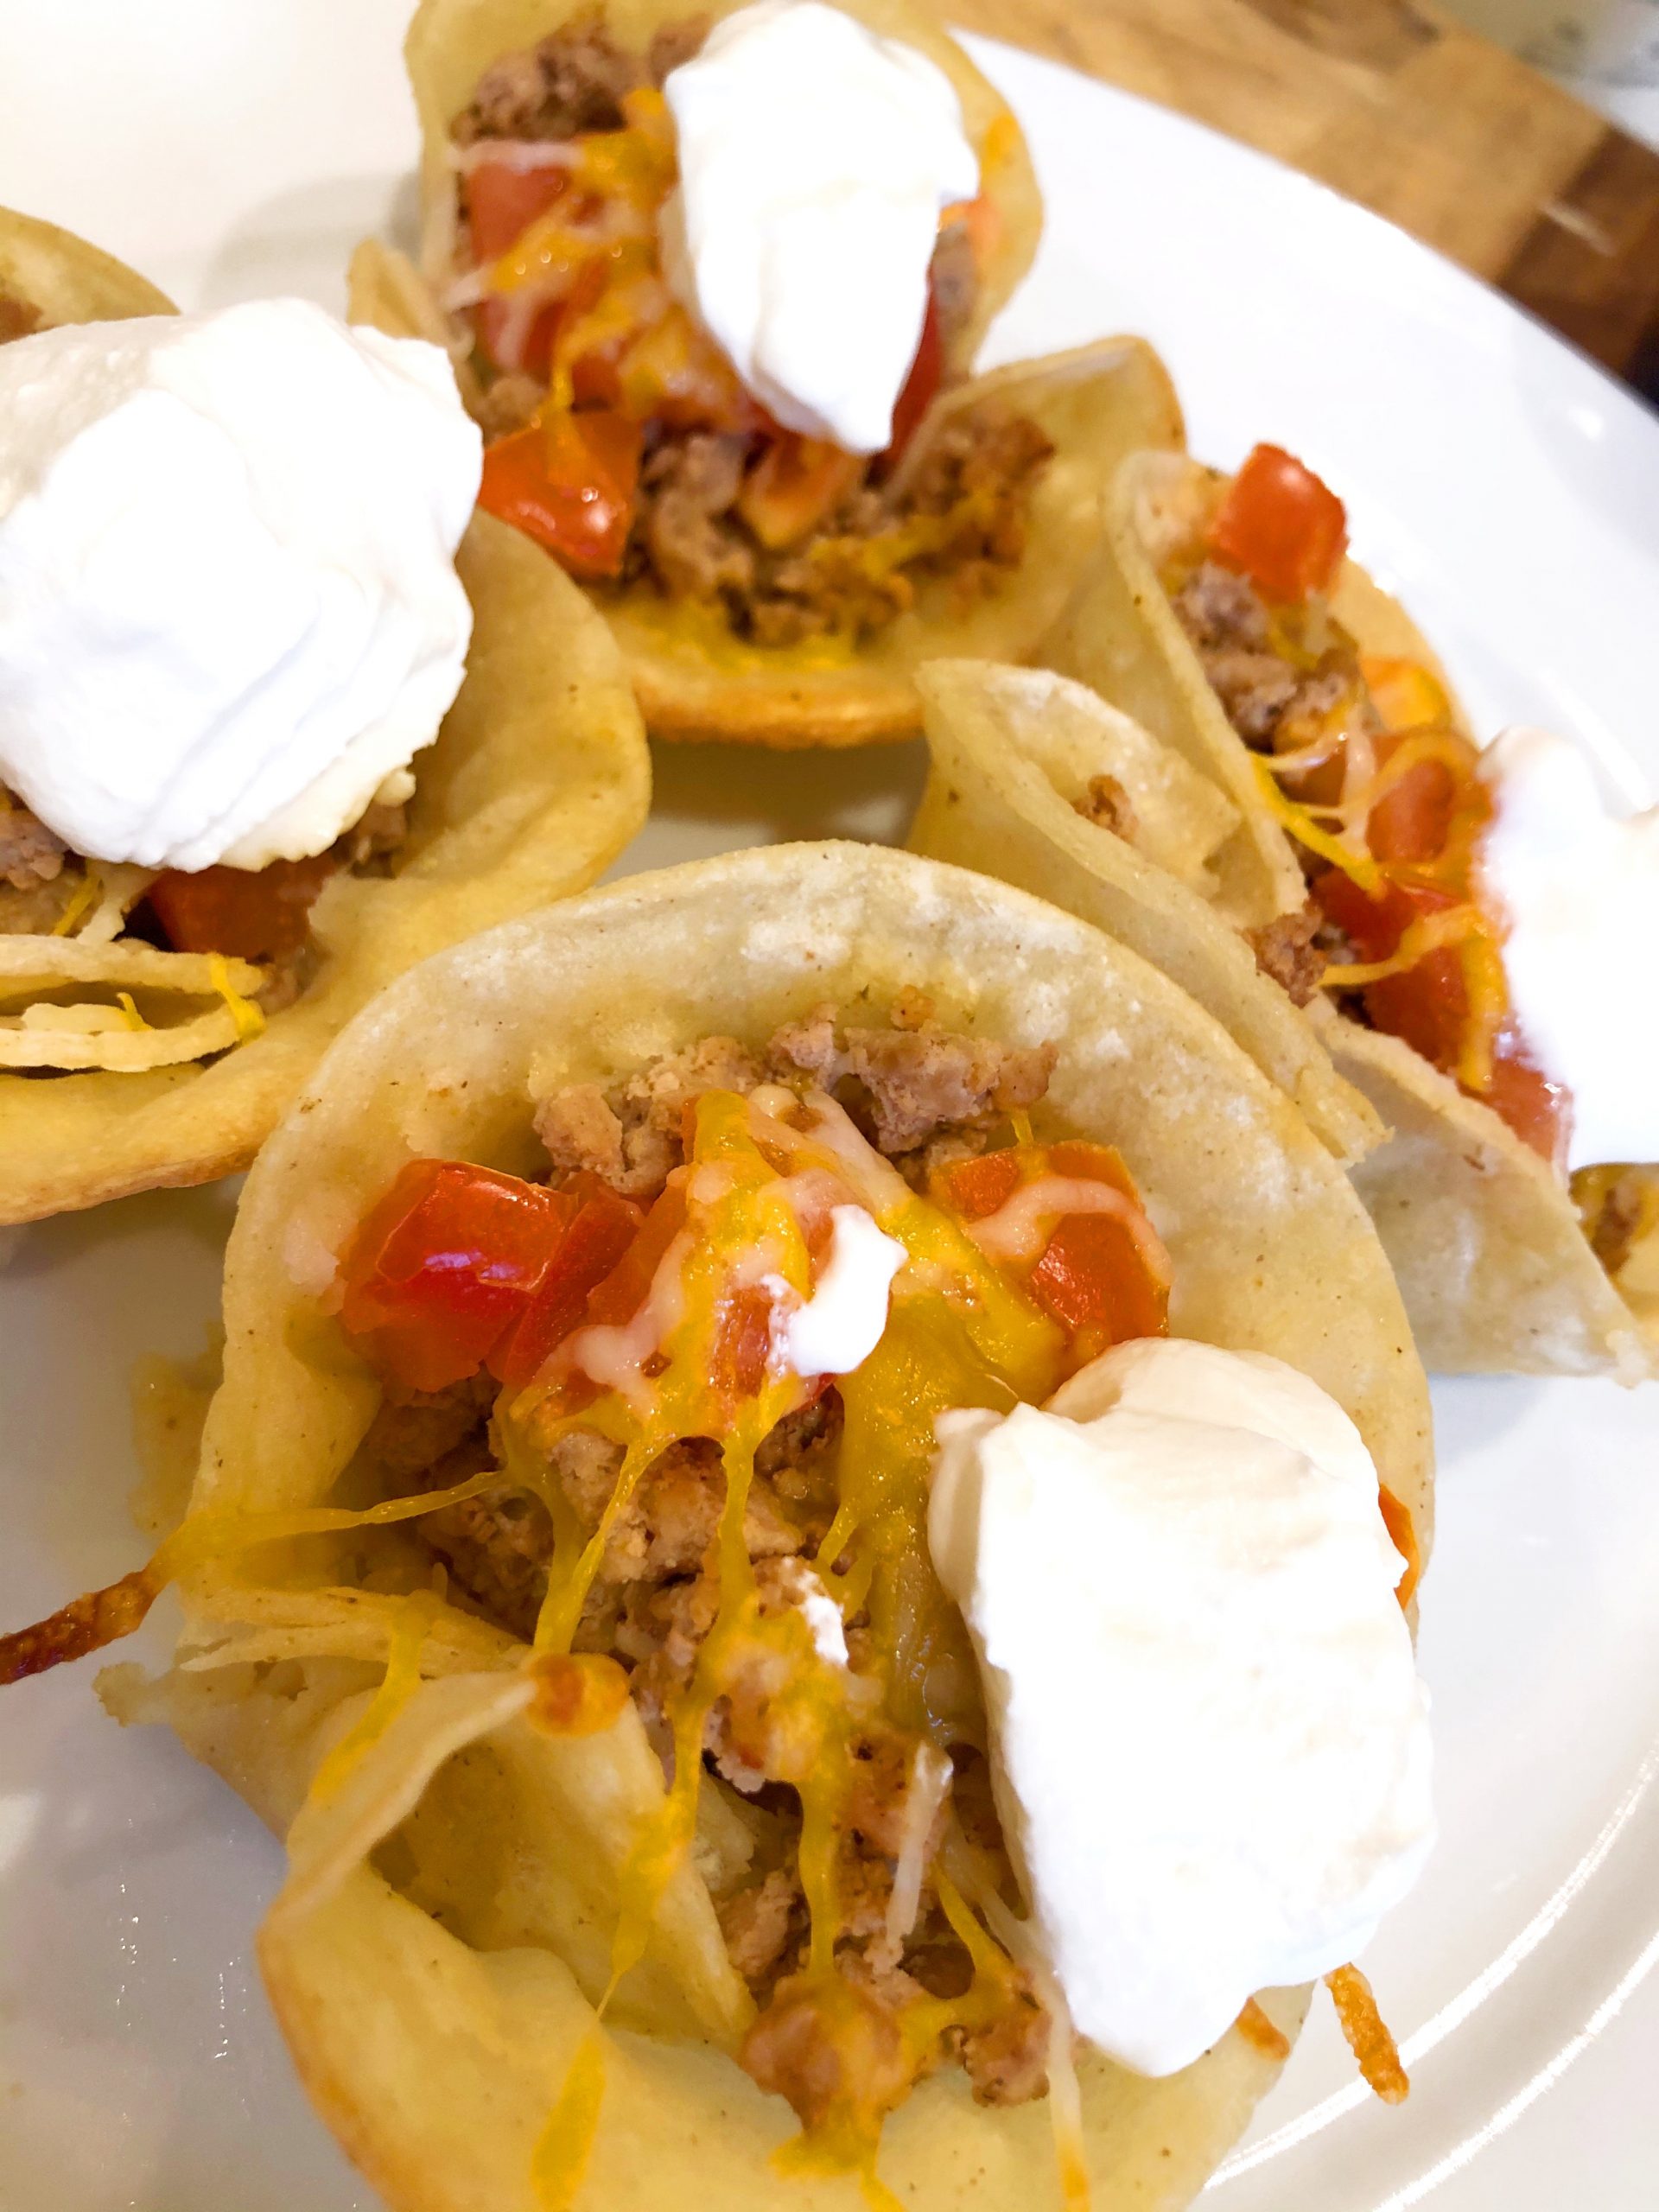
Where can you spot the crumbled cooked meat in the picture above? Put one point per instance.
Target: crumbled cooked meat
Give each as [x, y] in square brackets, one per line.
[1107, 805]
[496, 1546]
[18, 317]
[926, 1093]
[1007, 2061]
[30, 854]
[760, 1922]
[1256, 690]
[918, 1082]
[634, 1135]
[574, 79]
[413, 1429]
[1284, 949]
[961, 513]
[687, 491]
[1273, 701]
[956, 280]
[1217, 607]
[1625, 1216]
[579, 1130]
[823, 2046]
[507, 404]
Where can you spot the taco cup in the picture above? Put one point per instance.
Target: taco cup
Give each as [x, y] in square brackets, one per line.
[767, 586]
[1033, 778]
[469, 1764]
[1224, 615]
[155, 1022]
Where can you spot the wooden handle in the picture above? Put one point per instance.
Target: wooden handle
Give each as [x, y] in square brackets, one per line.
[1402, 108]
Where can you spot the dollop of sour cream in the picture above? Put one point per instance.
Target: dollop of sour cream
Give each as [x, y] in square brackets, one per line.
[814, 159]
[229, 610]
[1210, 1744]
[1577, 889]
[839, 1326]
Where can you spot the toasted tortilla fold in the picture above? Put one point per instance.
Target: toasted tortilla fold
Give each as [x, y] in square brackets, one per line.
[1485, 1241]
[694, 678]
[66, 279]
[436, 1969]
[1012, 751]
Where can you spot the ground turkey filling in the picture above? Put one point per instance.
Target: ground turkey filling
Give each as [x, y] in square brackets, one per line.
[960, 510]
[922, 1097]
[1278, 672]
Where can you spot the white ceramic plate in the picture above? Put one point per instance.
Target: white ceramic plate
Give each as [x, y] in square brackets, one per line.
[1512, 491]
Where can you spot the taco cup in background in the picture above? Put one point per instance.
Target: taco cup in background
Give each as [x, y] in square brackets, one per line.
[1033, 778]
[766, 586]
[1224, 616]
[155, 1023]
[48, 275]
[483, 1844]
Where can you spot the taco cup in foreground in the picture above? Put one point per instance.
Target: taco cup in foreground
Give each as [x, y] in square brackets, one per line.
[773, 570]
[841, 1138]
[1386, 859]
[160, 1002]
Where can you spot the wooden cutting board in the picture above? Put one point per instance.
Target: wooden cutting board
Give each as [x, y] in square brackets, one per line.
[1400, 107]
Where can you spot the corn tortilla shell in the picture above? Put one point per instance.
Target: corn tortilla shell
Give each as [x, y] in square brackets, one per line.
[695, 680]
[66, 279]
[1011, 750]
[436, 2049]
[1485, 1241]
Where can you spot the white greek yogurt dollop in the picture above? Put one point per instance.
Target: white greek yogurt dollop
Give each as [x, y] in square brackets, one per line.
[1577, 889]
[1209, 1742]
[229, 611]
[815, 160]
[838, 1327]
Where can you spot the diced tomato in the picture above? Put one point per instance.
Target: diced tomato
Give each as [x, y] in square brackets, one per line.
[502, 202]
[444, 1264]
[248, 913]
[604, 1226]
[738, 1368]
[570, 486]
[619, 1297]
[1428, 1004]
[795, 486]
[673, 372]
[1539, 1111]
[1091, 1277]
[1413, 820]
[920, 387]
[1280, 526]
[976, 1188]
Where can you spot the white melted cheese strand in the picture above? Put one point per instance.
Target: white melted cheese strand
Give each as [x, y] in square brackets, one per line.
[229, 610]
[1209, 1741]
[1577, 889]
[816, 158]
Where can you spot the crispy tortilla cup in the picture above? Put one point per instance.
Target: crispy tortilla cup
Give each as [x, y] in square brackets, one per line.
[538, 779]
[1496, 1271]
[695, 679]
[1013, 754]
[436, 1954]
[66, 280]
